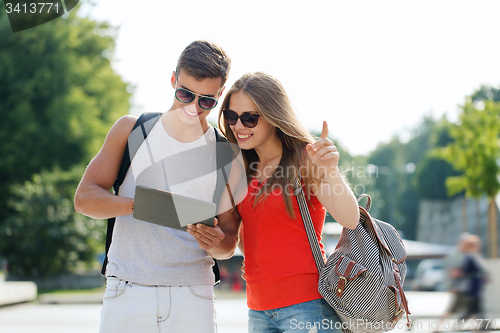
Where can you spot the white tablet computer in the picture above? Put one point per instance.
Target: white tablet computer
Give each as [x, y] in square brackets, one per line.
[171, 210]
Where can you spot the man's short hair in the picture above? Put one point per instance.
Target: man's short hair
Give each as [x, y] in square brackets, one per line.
[203, 59]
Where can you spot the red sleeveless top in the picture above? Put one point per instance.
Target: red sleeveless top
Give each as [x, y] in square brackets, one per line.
[279, 265]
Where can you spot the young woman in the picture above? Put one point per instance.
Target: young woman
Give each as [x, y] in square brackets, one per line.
[281, 275]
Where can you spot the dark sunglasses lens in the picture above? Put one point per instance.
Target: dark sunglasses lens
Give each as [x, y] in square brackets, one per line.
[249, 120]
[207, 103]
[231, 117]
[184, 96]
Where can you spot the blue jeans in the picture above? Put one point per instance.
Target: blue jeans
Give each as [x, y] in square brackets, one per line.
[313, 316]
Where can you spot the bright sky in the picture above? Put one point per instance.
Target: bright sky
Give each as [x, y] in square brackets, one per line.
[370, 68]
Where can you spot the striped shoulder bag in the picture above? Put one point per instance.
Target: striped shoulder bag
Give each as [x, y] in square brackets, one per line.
[363, 278]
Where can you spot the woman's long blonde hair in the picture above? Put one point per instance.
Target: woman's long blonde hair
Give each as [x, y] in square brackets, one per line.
[274, 106]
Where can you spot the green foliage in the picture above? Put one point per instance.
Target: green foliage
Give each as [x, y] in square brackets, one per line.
[475, 151]
[432, 171]
[422, 140]
[58, 96]
[398, 188]
[431, 177]
[486, 93]
[389, 159]
[43, 235]
[387, 154]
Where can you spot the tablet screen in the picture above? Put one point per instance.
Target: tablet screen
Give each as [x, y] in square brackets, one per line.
[171, 210]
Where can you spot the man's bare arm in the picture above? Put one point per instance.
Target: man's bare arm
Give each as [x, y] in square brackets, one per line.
[92, 197]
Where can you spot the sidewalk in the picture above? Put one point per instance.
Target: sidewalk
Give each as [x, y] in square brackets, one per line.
[57, 314]
[79, 313]
[424, 306]
[421, 304]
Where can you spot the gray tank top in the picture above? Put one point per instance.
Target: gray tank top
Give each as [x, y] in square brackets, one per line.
[150, 254]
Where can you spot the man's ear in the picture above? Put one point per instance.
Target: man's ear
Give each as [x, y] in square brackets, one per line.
[221, 91]
[172, 80]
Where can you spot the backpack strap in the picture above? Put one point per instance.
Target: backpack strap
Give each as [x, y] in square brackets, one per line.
[146, 121]
[309, 226]
[224, 156]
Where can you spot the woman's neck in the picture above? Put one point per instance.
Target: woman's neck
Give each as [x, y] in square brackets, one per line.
[270, 151]
[269, 157]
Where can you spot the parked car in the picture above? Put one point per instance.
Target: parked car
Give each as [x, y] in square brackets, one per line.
[430, 275]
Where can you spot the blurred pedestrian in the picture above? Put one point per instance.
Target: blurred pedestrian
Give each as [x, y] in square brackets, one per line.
[453, 264]
[475, 275]
[467, 277]
[456, 282]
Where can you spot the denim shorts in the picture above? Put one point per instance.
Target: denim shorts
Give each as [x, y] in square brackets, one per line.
[313, 316]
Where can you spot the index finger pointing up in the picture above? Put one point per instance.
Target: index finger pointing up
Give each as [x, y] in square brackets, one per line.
[324, 131]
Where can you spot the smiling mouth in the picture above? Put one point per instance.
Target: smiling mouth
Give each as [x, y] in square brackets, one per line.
[191, 114]
[243, 137]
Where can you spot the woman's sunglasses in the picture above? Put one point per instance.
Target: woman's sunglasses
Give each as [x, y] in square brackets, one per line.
[186, 96]
[248, 119]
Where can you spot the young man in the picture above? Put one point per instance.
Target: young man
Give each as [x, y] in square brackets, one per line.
[158, 277]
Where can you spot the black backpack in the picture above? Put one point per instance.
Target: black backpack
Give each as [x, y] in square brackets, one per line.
[146, 121]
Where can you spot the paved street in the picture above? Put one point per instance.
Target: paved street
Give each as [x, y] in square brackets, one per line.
[84, 318]
[231, 315]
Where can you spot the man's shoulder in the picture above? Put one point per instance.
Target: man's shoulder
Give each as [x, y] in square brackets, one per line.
[125, 124]
[119, 132]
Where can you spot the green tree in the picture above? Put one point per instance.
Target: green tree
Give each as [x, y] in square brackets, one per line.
[430, 181]
[397, 161]
[390, 185]
[475, 151]
[58, 96]
[421, 141]
[43, 235]
[432, 171]
[486, 93]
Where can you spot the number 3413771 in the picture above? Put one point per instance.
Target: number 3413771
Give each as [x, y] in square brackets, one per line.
[32, 8]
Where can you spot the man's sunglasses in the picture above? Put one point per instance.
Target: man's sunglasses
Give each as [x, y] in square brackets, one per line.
[248, 119]
[186, 96]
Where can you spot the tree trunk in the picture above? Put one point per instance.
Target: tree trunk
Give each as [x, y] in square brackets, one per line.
[478, 219]
[492, 229]
[464, 214]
